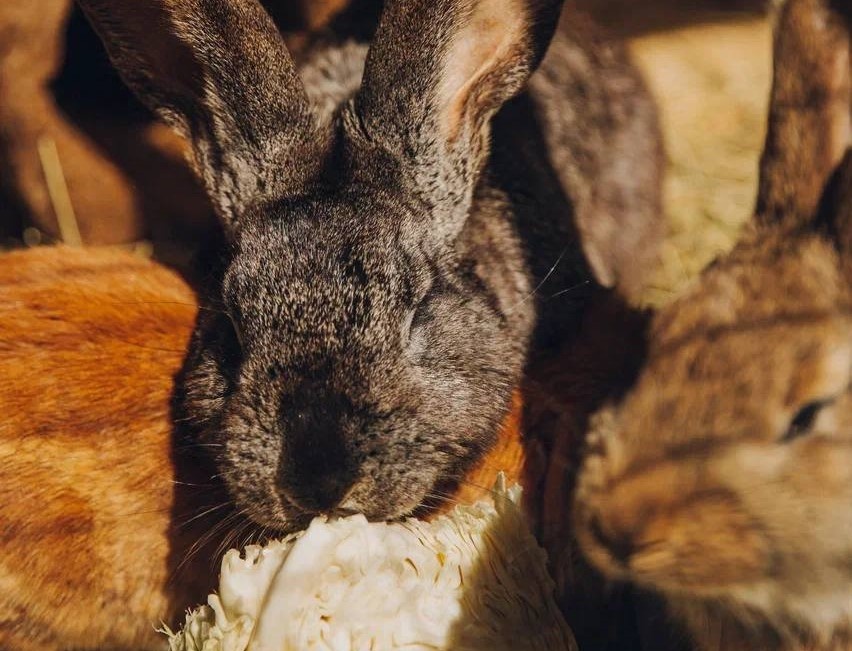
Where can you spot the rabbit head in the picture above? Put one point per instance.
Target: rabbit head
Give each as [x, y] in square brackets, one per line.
[357, 354]
[724, 478]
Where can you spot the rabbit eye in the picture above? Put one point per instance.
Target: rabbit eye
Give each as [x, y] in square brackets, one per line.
[414, 321]
[236, 328]
[407, 324]
[804, 420]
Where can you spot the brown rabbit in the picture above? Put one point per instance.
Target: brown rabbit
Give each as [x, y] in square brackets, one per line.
[724, 479]
[111, 524]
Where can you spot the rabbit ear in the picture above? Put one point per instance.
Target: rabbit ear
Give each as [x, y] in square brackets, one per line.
[809, 114]
[837, 209]
[218, 72]
[436, 73]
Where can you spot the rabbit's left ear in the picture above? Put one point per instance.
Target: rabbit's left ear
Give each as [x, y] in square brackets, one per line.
[436, 73]
[809, 113]
[218, 72]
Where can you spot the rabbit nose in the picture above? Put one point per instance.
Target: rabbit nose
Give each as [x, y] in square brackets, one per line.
[318, 476]
[318, 471]
[321, 492]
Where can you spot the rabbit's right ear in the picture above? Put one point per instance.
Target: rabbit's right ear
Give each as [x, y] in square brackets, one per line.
[436, 73]
[809, 114]
[218, 72]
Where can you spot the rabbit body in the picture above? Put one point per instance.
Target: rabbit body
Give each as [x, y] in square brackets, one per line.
[402, 222]
[90, 508]
[724, 479]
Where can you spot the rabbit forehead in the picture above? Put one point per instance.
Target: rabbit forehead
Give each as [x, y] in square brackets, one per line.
[748, 330]
[745, 383]
[780, 277]
[729, 364]
[308, 294]
[323, 253]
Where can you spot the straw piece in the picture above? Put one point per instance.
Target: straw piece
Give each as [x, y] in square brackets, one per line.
[57, 188]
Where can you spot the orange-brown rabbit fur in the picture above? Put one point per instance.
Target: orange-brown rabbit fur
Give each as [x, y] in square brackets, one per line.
[724, 479]
[89, 342]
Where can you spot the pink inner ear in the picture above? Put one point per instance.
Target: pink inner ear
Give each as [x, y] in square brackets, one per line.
[490, 38]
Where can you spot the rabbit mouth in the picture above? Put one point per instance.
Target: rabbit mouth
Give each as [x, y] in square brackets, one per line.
[674, 563]
[661, 529]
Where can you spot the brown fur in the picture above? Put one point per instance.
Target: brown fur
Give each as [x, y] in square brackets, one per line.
[697, 487]
[90, 342]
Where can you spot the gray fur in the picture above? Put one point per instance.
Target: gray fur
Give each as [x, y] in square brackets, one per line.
[385, 280]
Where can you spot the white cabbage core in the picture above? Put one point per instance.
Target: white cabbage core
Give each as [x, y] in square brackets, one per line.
[472, 580]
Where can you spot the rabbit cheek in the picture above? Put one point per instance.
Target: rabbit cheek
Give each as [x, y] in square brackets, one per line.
[201, 393]
[824, 502]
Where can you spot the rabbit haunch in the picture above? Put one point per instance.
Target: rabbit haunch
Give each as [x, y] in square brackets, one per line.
[397, 215]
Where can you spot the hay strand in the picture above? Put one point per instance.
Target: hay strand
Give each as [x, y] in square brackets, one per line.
[57, 188]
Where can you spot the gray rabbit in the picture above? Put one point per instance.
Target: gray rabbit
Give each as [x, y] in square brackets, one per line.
[403, 223]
